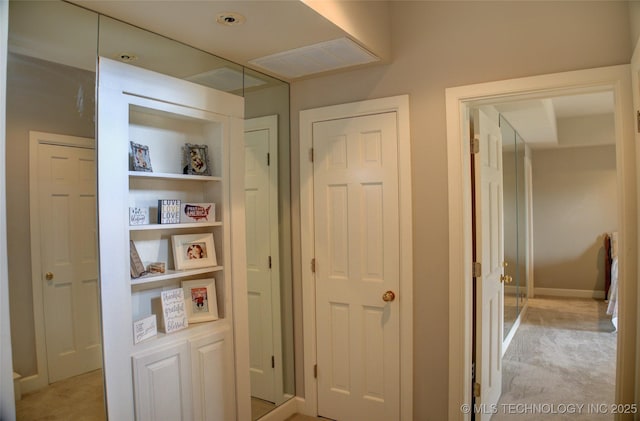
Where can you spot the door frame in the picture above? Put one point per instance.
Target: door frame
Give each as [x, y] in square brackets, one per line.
[458, 100]
[41, 377]
[270, 123]
[399, 105]
[7, 402]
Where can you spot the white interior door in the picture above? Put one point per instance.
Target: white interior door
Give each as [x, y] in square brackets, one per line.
[263, 286]
[67, 213]
[490, 251]
[355, 174]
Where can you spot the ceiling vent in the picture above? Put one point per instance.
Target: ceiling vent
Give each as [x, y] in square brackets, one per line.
[226, 79]
[316, 58]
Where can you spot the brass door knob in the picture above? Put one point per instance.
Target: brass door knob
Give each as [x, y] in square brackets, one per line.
[503, 278]
[388, 296]
[48, 276]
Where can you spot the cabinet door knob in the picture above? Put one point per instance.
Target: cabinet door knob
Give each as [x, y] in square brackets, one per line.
[48, 276]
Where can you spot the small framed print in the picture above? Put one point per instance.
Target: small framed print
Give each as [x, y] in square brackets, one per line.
[137, 268]
[196, 158]
[192, 251]
[200, 300]
[140, 159]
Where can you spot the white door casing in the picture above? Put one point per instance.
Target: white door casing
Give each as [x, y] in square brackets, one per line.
[263, 274]
[337, 203]
[458, 102]
[64, 243]
[489, 246]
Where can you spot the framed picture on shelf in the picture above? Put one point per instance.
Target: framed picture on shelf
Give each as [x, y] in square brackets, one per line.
[200, 300]
[196, 158]
[192, 251]
[140, 158]
[137, 268]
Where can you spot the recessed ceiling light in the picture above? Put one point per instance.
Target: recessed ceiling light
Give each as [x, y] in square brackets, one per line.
[230, 19]
[126, 57]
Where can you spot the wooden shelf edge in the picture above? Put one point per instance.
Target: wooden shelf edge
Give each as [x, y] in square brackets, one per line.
[151, 227]
[173, 274]
[172, 176]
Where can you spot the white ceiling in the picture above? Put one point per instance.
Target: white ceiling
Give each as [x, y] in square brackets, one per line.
[572, 120]
[272, 30]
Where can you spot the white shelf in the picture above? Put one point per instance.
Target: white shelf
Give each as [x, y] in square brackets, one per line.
[151, 227]
[173, 274]
[170, 176]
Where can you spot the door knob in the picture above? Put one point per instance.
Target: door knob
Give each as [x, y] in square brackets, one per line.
[48, 276]
[388, 296]
[503, 278]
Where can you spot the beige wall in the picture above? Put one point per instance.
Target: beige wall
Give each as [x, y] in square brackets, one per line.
[436, 45]
[574, 204]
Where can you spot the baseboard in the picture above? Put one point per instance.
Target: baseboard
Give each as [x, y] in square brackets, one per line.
[33, 383]
[575, 293]
[283, 411]
[514, 329]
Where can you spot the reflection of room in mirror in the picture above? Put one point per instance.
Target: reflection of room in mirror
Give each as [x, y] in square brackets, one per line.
[73, 76]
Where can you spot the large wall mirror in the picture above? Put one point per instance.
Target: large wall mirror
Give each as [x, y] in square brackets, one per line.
[53, 49]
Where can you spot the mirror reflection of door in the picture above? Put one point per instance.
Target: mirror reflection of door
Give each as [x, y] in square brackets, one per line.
[64, 251]
[263, 279]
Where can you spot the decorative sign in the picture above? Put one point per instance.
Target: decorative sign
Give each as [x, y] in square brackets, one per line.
[144, 329]
[168, 211]
[169, 308]
[198, 212]
[138, 216]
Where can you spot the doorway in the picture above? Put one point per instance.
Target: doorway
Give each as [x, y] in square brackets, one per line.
[459, 100]
[388, 306]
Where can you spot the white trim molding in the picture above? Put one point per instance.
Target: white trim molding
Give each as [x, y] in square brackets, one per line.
[7, 403]
[399, 105]
[574, 293]
[458, 100]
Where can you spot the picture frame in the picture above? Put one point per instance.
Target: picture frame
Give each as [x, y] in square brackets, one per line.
[192, 251]
[200, 298]
[137, 267]
[196, 158]
[140, 158]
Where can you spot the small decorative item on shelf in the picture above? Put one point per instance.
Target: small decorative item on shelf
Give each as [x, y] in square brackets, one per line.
[200, 300]
[138, 216]
[168, 211]
[169, 308]
[140, 159]
[144, 329]
[197, 212]
[137, 268]
[196, 159]
[156, 267]
[192, 251]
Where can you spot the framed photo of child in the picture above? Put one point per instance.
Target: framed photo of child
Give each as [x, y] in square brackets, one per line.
[200, 300]
[193, 251]
[140, 159]
[196, 158]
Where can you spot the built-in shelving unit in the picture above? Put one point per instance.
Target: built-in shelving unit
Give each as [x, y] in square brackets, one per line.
[187, 374]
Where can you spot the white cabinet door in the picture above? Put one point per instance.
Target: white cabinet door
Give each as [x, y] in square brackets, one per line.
[212, 374]
[162, 384]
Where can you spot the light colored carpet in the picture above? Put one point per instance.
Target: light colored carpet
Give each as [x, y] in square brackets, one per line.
[561, 363]
[79, 398]
[260, 407]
